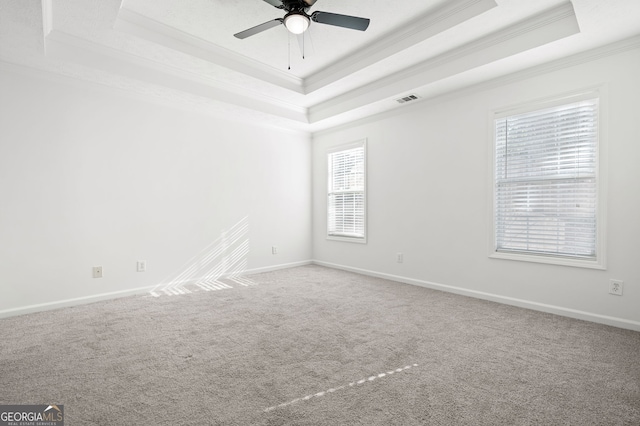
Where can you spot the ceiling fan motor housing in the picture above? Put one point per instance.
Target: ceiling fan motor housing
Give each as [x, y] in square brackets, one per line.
[296, 6]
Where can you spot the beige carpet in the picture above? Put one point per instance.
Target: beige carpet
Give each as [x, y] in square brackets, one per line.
[317, 346]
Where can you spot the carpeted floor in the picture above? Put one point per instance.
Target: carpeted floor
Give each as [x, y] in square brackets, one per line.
[317, 346]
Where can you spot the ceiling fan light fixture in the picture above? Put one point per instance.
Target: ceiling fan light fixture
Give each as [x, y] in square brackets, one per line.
[296, 23]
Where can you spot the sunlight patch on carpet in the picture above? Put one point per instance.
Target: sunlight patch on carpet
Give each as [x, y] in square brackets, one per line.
[332, 390]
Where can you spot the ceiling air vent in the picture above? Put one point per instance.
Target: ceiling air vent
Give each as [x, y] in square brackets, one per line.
[407, 98]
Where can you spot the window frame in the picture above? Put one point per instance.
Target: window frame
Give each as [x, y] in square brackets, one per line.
[362, 143]
[599, 262]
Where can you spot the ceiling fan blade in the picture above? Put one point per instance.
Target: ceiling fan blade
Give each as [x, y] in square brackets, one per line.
[275, 3]
[309, 2]
[258, 29]
[345, 21]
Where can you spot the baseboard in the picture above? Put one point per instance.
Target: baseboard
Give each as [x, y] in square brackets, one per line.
[122, 293]
[277, 267]
[558, 310]
[73, 302]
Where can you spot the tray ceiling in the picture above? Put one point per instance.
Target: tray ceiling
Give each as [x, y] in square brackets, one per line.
[184, 53]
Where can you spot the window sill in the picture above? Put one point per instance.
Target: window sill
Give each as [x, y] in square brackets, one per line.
[347, 239]
[577, 263]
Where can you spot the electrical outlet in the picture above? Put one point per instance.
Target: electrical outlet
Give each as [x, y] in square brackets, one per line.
[400, 258]
[616, 287]
[274, 250]
[97, 272]
[142, 266]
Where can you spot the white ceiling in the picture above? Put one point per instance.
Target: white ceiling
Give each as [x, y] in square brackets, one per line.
[184, 53]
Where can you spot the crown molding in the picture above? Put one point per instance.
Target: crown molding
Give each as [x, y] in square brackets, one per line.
[591, 55]
[67, 47]
[223, 111]
[141, 26]
[546, 27]
[420, 29]
[613, 49]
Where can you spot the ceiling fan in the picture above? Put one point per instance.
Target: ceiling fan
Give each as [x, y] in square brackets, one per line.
[297, 20]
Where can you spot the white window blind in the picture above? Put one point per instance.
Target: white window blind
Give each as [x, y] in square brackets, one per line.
[346, 193]
[545, 181]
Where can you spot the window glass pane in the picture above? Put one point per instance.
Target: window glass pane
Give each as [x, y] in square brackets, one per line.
[346, 193]
[545, 178]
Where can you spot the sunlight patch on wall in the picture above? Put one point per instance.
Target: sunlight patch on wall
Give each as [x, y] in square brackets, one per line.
[218, 266]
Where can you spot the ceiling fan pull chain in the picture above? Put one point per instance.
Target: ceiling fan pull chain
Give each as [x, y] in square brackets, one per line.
[289, 48]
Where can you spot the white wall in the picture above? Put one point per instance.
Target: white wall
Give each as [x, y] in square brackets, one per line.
[429, 193]
[91, 178]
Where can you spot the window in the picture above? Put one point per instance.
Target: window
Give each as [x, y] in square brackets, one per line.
[346, 193]
[546, 185]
